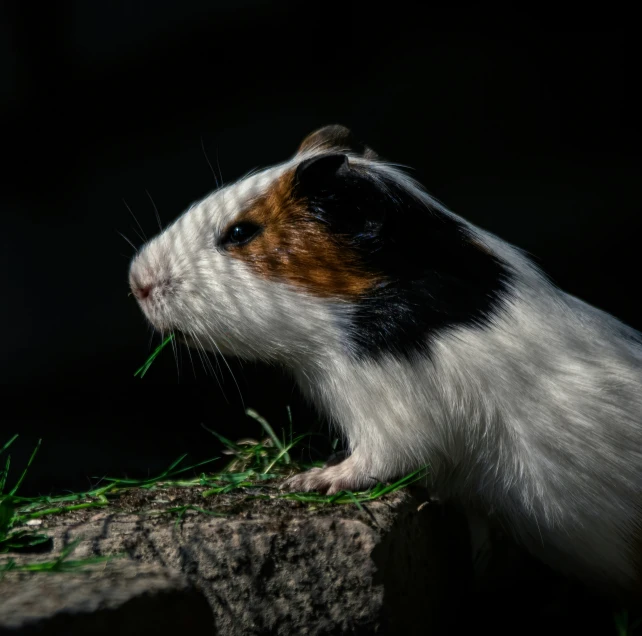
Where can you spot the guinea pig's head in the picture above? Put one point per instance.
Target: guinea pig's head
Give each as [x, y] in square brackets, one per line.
[333, 250]
[262, 268]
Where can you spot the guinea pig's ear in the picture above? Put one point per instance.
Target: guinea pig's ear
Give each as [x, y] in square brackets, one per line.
[336, 138]
[319, 172]
[348, 201]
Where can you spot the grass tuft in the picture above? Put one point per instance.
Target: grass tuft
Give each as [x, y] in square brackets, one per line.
[19, 540]
[265, 458]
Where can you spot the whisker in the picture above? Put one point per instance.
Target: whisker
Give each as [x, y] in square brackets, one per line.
[193, 334]
[160, 226]
[151, 338]
[211, 367]
[204, 357]
[209, 164]
[189, 353]
[135, 248]
[198, 351]
[140, 227]
[229, 369]
[218, 165]
[175, 350]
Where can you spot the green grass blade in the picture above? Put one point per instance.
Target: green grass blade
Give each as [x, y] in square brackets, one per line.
[4, 473]
[413, 477]
[269, 430]
[59, 510]
[148, 363]
[283, 453]
[24, 472]
[152, 480]
[7, 515]
[11, 441]
[289, 410]
[60, 564]
[355, 501]
[165, 475]
[67, 550]
[230, 444]
[22, 540]
[5, 470]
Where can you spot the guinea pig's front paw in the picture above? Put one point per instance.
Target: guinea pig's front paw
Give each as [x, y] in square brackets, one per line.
[329, 479]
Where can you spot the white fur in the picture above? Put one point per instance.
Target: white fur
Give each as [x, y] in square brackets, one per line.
[537, 417]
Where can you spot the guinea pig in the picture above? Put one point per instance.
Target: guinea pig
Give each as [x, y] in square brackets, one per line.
[425, 340]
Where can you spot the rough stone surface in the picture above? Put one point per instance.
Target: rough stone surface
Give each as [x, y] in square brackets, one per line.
[119, 598]
[270, 566]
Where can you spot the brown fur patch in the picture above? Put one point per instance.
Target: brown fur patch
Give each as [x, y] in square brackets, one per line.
[296, 248]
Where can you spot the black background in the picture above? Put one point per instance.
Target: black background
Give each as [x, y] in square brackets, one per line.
[533, 136]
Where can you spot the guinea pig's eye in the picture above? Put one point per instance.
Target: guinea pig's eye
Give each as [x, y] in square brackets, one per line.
[240, 234]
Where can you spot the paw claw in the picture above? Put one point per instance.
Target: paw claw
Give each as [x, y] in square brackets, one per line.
[328, 480]
[303, 482]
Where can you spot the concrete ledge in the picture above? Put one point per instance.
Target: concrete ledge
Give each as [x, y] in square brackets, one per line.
[269, 566]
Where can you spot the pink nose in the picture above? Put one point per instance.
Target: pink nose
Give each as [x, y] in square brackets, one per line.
[142, 292]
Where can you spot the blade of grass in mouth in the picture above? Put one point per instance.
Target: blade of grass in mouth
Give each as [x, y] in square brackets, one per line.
[148, 363]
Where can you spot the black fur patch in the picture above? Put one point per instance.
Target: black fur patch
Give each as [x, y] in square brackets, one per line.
[435, 276]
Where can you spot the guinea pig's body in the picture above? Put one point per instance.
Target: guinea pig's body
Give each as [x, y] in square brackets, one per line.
[425, 339]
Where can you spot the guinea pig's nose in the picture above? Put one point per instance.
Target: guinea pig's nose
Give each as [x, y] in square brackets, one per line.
[142, 291]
